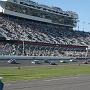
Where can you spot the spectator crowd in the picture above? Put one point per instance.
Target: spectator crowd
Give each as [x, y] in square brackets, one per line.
[14, 28]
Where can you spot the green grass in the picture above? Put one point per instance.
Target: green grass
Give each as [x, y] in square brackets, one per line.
[28, 73]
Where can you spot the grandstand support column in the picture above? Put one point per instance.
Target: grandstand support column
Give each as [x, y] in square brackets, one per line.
[67, 53]
[86, 53]
[23, 47]
[29, 51]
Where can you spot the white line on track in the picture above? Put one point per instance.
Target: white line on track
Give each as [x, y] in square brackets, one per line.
[61, 78]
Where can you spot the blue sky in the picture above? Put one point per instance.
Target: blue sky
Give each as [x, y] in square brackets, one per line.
[81, 7]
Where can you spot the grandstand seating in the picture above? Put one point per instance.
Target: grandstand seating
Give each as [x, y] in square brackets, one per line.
[20, 29]
[14, 28]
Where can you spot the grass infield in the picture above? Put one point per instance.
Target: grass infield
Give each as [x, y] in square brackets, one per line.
[35, 72]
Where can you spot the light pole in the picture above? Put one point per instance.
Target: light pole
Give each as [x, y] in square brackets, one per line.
[78, 24]
[89, 26]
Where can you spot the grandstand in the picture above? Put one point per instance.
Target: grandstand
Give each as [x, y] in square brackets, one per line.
[28, 28]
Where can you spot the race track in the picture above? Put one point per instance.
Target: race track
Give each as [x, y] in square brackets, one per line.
[64, 83]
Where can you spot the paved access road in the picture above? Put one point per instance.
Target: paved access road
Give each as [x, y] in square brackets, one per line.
[65, 83]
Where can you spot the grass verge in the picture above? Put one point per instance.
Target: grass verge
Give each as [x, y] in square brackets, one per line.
[29, 73]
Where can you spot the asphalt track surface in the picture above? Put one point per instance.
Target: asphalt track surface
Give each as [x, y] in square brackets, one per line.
[65, 83]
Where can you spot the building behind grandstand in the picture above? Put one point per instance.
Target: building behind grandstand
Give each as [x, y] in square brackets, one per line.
[28, 28]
